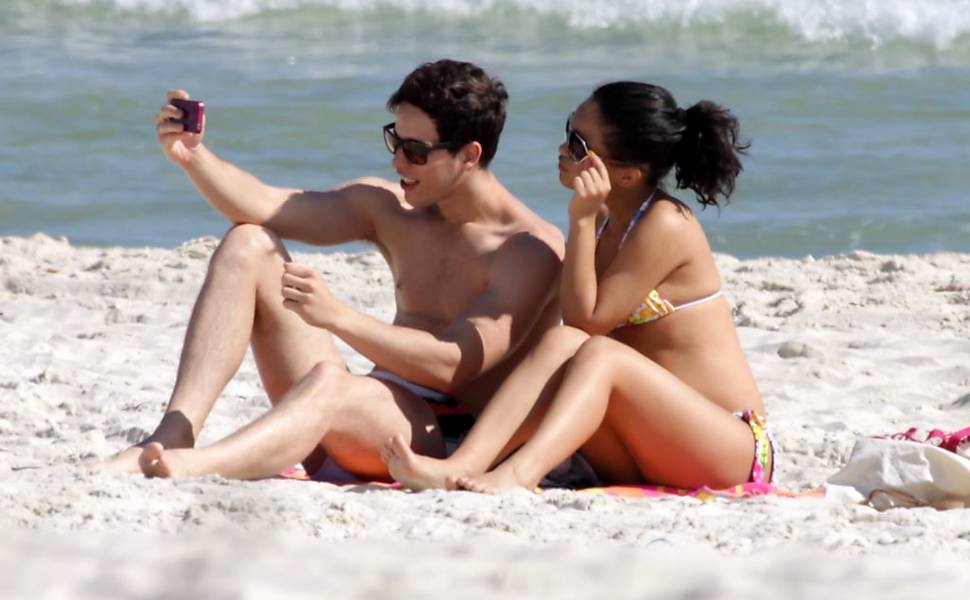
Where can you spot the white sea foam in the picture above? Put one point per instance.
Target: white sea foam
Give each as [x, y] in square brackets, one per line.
[936, 22]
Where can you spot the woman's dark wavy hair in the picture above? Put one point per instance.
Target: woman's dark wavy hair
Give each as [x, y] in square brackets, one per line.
[644, 125]
[466, 104]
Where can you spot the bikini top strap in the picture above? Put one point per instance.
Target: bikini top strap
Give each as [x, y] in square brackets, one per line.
[638, 215]
[633, 221]
[599, 231]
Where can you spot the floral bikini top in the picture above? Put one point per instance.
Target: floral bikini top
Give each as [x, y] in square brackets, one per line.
[654, 305]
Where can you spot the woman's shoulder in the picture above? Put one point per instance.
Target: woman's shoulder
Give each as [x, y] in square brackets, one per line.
[670, 228]
[667, 213]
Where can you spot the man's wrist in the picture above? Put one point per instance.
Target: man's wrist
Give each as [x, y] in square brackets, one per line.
[341, 318]
[195, 157]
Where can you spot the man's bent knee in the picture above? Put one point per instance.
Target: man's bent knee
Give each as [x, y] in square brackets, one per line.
[246, 244]
[323, 380]
[325, 372]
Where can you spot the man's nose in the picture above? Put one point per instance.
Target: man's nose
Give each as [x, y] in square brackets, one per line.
[398, 162]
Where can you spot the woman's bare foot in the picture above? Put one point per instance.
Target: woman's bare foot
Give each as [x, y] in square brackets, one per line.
[501, 479]
[414, 471]
[155, 461]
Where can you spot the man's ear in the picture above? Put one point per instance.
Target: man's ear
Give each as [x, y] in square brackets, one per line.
[470, 154]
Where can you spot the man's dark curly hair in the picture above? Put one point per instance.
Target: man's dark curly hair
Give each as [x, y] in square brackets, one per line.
[466, 104]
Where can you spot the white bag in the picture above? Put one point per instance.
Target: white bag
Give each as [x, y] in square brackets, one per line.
[889, 473]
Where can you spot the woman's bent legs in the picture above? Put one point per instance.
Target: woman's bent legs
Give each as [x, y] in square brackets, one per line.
[642, 415]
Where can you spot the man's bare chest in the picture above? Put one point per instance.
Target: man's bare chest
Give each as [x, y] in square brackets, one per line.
[438, 279]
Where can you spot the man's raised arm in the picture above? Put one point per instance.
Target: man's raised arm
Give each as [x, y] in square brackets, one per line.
[322, 218]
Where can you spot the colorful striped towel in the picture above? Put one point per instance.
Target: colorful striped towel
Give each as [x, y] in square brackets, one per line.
[704, 494]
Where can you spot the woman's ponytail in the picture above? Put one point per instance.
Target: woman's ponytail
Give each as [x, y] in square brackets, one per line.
[706, 159]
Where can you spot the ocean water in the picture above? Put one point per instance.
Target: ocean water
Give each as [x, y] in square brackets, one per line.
[858, 110]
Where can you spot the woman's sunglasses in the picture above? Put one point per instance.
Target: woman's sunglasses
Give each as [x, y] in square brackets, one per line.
[415, 151]
[578, 148]
[575, 144]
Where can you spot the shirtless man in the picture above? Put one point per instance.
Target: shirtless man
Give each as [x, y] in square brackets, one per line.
[475, 273]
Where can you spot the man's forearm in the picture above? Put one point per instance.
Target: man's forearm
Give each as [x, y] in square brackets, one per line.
[413, 354]
[235, 193]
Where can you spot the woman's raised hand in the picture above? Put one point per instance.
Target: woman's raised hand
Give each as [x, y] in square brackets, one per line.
[590, 188]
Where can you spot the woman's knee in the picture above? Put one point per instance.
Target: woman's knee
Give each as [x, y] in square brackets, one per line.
[563, 339]
[598, 350]
[598, 345]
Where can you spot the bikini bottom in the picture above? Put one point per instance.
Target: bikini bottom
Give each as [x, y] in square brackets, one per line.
[763, 466]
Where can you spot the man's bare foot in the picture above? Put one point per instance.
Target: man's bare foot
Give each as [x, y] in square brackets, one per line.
[414, 471]
[496, 481]
[174, 431]
[156, 461]
[125, 461]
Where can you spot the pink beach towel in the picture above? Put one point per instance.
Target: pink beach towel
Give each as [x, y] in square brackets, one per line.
[704, 494]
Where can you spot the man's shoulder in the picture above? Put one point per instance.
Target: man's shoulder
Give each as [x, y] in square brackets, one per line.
[532, 233]
[534, 239]
[375, 189]
[533, 242]
[383, 200]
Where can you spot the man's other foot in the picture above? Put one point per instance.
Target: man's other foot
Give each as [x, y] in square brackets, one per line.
[156, 461]
[125, 461]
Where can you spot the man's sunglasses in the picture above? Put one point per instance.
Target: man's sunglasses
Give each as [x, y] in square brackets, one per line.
[415, 151]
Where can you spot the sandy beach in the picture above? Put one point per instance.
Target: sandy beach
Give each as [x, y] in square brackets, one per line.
[842, 346]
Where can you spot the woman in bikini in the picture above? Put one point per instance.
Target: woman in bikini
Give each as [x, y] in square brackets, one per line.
[646, 379]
